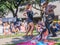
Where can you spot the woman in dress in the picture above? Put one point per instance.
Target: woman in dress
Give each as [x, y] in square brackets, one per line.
[29, 13]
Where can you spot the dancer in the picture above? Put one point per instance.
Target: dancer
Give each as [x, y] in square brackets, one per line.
[29, 13]
[49, 15]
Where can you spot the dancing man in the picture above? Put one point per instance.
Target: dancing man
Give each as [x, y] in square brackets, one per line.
[49, 17]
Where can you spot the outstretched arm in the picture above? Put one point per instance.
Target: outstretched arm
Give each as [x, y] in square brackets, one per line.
[52, 7]
[24, 13]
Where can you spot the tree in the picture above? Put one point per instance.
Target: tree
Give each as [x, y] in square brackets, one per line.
[3, 9]
[11, 5]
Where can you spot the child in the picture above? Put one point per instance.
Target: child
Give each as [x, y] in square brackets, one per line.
[12, 26]
[22, 28]
[44, 34]
[6, 28]
[55, 27]
[17, 29]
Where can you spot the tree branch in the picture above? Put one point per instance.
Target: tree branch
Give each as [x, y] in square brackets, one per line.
[10, 8]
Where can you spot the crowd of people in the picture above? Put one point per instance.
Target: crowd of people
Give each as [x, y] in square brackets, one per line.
[8, 28]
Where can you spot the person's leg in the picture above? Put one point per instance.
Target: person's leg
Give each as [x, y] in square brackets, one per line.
[13, 30]
[28, 29]
[9, 31]
[49, 30]
[5, 33]
[47, 26]
[53, 32]
[17, 30]
[32, 28]
[38, 30]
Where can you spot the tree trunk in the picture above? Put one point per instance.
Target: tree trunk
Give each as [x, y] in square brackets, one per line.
[16, 13]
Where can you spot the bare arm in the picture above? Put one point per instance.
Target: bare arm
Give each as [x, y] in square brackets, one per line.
[52, 7]
[25, 13]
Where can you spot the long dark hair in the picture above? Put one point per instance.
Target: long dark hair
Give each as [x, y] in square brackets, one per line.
[44, 30]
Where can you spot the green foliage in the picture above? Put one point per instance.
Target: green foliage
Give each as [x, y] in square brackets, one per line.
[11, 5]
[14, 4]
[3, 9]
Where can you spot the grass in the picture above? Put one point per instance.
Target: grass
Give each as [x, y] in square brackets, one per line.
[22, 34]
[10, 36]
[57, 44]
[16, 35]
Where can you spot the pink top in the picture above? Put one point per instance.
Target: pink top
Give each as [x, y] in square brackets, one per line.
[22, 29]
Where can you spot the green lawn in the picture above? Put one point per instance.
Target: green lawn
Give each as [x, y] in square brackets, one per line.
[22, 34]
[16, 35]
[58, 44]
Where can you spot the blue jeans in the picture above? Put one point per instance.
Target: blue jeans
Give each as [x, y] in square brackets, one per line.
[47, 26]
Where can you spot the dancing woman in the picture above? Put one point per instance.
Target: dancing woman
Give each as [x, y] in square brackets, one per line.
[29, 13]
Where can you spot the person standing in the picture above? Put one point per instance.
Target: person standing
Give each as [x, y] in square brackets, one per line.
[29, 13]
[49, 16]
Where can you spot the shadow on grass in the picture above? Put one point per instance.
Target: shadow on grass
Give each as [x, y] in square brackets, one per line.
[18, 40]
[21, 39]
